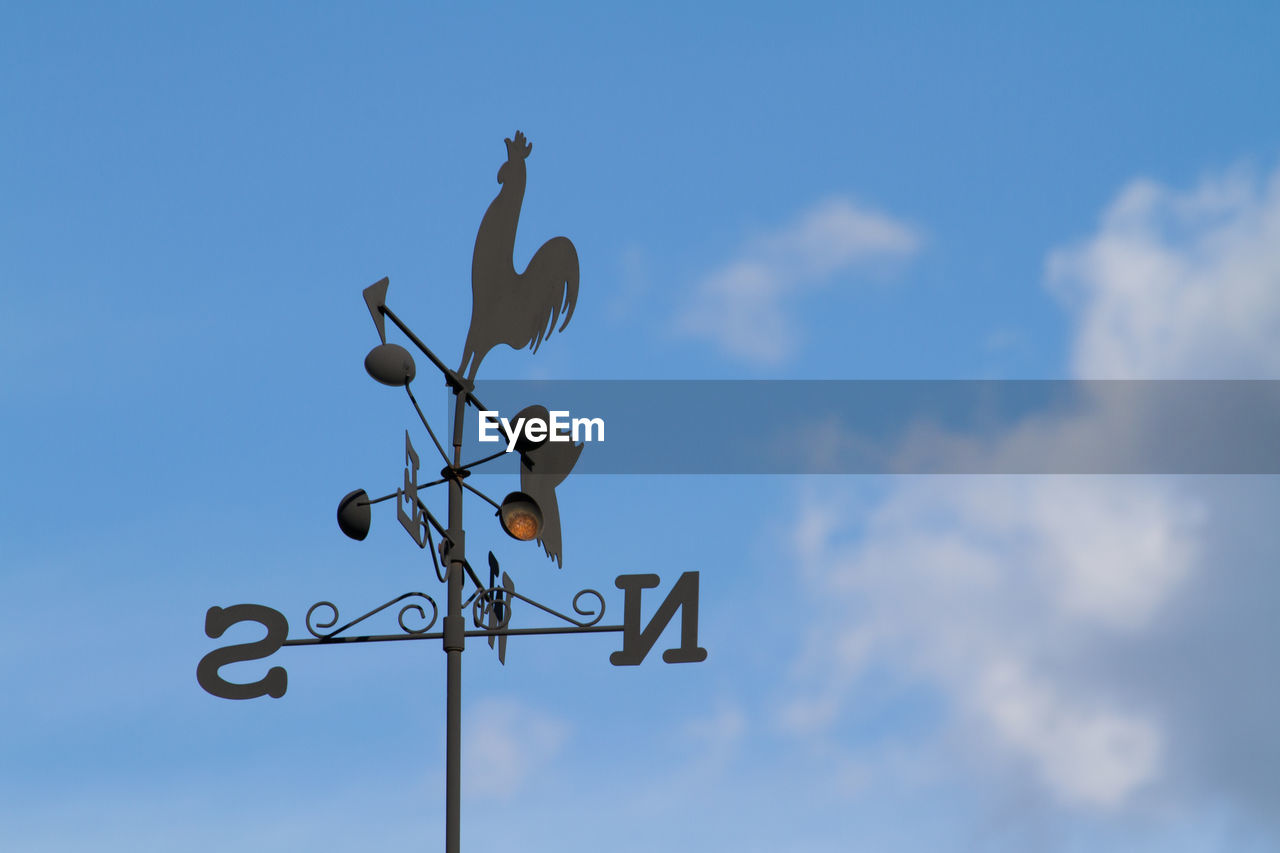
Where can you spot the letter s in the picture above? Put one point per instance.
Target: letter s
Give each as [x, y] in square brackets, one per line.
[216, 622]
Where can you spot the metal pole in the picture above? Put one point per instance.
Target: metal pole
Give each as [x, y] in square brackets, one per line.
[454, 641]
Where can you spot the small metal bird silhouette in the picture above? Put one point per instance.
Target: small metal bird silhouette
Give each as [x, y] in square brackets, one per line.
[542, 468]
[516, 309]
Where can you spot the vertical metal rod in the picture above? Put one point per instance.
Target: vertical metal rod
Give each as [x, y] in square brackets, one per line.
[453, 741]
[454, 641]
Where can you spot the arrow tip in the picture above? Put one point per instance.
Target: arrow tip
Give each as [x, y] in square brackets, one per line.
[375, 296]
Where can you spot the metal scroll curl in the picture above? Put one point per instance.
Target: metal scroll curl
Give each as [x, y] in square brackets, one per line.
[596, 616]
[483, 602]
[490, 601]
[316, 627]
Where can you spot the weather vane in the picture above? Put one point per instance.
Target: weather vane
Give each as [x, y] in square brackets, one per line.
[519, 310]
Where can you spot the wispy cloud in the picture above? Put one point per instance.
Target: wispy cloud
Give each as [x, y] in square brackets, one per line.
[742, 306]
[507, 745]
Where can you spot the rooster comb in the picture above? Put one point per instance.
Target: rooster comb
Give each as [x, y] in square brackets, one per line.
[518, 148]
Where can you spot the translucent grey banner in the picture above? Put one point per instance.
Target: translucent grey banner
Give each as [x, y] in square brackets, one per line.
[905, 427]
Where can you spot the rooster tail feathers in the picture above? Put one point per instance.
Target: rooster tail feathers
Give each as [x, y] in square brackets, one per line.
[570, 283]
[552, 280]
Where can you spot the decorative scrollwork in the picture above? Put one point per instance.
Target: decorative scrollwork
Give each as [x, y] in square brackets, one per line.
[315, 627]
[581, 612]
[482, 601]
[493, 601]
[329, 624]
[422, 614]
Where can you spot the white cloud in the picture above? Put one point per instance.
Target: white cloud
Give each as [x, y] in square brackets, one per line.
[997, 591]
[741, 306]
[1177, 284]
[506, 745]
[1053, 615]
[1091, 757]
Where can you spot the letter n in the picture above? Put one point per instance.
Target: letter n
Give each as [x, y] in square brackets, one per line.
[637, 642]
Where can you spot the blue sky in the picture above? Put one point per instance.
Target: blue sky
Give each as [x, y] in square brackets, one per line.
[193, 199]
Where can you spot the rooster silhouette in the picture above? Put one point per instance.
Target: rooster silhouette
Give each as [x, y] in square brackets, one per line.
[516, 309]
